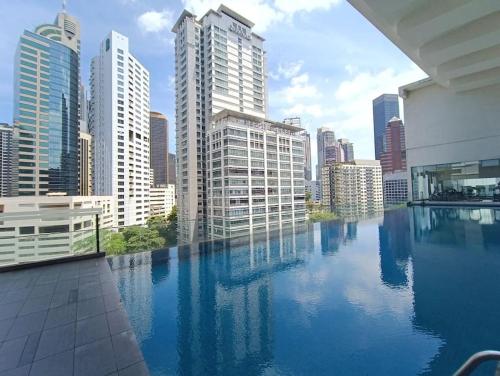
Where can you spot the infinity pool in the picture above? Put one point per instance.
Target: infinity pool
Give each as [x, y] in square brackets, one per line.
[415, 292]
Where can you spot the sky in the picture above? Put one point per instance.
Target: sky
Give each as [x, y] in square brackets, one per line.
[326, 62]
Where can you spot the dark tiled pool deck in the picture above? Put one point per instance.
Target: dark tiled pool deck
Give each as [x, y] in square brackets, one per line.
[66, 319]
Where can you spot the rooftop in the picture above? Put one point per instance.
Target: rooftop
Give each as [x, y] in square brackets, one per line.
[66, 319]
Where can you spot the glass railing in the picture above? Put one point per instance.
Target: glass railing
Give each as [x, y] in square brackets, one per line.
[51, 234]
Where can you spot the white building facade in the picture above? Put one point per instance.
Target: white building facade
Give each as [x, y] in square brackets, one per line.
[119, 123]
[255, 175]
[220, 64]
[36, 228]
[161, 200]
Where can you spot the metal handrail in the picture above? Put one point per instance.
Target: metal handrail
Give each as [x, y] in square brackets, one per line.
[475, 360]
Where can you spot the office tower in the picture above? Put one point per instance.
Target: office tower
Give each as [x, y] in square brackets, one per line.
[395, 187]
[394, 156]
[8, 163]
[347, 149]
[219, 64]
[161, 200]
[85, 164]
[171, 169]
[83, 110]
[119, 121]
[255, 174]
[327, 150]
[385, 107]
[159, 148]
[46, 96]
[353, 187]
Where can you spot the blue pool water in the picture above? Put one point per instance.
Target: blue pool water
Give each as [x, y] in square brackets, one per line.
[415, 292]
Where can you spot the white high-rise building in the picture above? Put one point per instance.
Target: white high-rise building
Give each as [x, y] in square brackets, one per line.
[255, 175]
[119, 123]
[220, 64]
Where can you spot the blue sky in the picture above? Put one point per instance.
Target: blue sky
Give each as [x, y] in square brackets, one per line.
[326, 62]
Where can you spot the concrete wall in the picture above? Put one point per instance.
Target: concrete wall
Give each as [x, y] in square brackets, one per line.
[443, 126]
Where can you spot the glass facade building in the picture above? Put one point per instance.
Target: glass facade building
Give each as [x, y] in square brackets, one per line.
[461, 181]
[46, 94]
[385, 107]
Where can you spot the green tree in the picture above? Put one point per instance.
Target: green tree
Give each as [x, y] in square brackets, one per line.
[139, 238]
[114, 243]
[157, 220]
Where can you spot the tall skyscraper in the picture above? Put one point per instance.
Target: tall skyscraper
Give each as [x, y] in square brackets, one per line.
[385, 107]
[159, 148]
[326, 145]
[394, 156]
[46, 96]
[119, 124]
[347, 149]
[171, 169]
[8, 163]
[219, 64]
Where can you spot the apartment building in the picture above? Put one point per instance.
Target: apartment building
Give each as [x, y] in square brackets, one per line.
[119, 124]
[353, 187]
[220, 64]
[255, 176]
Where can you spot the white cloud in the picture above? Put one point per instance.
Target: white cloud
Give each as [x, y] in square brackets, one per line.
[154, 21]
[261, 12]
[293, 6]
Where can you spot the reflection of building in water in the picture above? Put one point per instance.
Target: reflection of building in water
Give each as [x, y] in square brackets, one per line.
[455, 281]
[463, 226]
[395, 246]
[135, 282]
[334, 233]
[225, 296]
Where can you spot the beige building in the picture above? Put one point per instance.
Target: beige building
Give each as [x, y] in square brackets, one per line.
[352, 187]
[161, 200]
[35, 228]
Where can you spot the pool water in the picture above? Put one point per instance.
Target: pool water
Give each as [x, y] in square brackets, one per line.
[415, 292]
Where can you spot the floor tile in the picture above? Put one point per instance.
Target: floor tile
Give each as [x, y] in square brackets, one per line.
[20, 371]
[138, 369]
[10, 353]
[5, 326]
[35, 305]
[10, 310]
[56, 340]
[91, 329]
[30, 349]
[126, 350]
[27, 324]
[95, 359]
[90, 307]
[118, 321]
[56, 365]
[60, 316]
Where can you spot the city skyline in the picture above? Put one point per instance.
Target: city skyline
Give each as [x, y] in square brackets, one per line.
[300, 83]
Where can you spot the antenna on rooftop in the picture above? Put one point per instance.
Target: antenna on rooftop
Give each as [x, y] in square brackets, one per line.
[64, 6]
